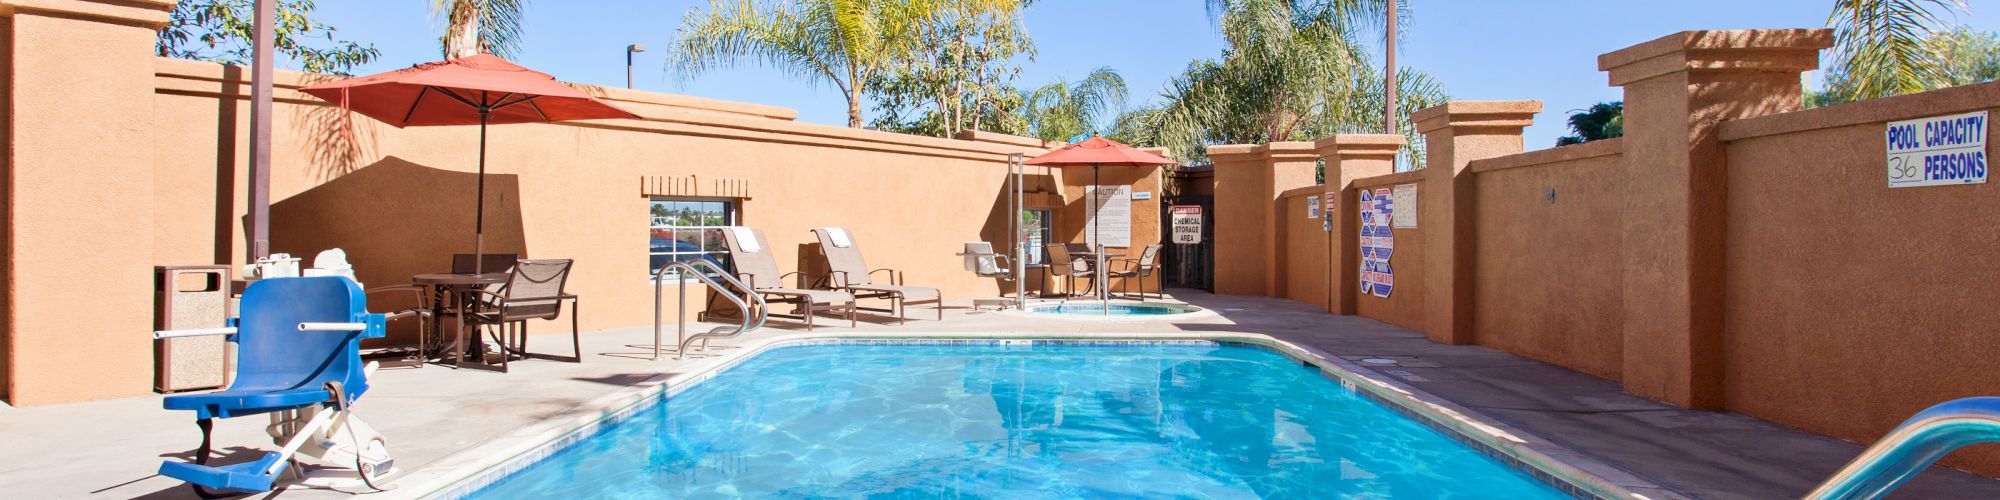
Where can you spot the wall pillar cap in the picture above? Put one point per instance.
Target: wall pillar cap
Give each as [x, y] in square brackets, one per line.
[1291, 151]
[1503, 115]
[145, 13]
[1778, 50]
[1235, 152]
[1360, 146]
[1285, 150]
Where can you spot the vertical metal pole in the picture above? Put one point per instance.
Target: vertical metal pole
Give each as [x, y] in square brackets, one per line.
[1017, 168]
[260, 134]
[1389, 72]
[479, 212]
[628, 67]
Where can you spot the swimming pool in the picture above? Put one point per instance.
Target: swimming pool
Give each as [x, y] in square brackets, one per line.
[1083, 308]
[1017, 421]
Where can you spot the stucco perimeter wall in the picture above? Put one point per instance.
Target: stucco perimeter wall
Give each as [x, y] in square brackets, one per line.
[1304, 241]
[400, 201]
[1404, 306]
[1851, 305]
[1548, 236]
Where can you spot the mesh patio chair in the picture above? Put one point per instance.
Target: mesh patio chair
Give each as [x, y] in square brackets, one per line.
[534, 290]
[420, 309]
[847, 272]
[1138, 269]
[1062, 264]
[985, 263]
[754, 265]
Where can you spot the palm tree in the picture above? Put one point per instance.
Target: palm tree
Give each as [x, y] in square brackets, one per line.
[1293, 70]
[1880, 45]
[1062, 110]
[1603, 120]
[844, 43]
[480, 26]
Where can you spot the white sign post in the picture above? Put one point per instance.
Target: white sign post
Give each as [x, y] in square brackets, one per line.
[1937, 151]
[1186, 224]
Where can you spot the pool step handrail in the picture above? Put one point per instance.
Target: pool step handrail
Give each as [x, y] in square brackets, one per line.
[752, 317]
[1913, 446]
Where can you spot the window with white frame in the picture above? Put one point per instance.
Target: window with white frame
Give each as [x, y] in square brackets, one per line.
[686, 230]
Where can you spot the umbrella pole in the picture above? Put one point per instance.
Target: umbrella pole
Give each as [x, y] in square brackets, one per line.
[479, 212]
[1097, 239]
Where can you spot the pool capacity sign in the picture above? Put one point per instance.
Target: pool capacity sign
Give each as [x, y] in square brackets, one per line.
[1378, 241]
[1186, 220]
[1937, 151]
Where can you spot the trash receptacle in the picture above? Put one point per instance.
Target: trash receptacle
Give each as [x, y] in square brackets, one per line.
[188, 297]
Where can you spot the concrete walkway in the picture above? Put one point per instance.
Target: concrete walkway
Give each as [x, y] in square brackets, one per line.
[109, 449]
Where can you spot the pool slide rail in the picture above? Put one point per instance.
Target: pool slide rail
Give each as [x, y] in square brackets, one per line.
[1913, 446]
[752, 316]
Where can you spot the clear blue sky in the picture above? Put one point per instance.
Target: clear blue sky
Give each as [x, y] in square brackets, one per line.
[1481, 49]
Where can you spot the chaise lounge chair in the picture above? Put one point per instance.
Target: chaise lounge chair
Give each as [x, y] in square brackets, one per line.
[757, 269]
[298, 360]
[847, 272]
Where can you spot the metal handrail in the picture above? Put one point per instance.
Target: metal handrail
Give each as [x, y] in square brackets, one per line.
[1914, 445]
[692, 269]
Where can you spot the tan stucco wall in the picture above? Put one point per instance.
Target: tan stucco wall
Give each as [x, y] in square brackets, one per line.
[403, 203]
[1549, 280]
[79, 303]
[1304, 244]
[1850, 305]
[1404, 306]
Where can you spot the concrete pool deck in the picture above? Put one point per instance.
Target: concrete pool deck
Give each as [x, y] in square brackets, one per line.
[109, 449]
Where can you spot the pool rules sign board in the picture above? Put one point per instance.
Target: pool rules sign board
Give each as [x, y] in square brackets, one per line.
[1186, 220]
[1378, 242]
[1937, 151]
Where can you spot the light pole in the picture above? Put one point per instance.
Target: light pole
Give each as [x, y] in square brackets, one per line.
[629, 50]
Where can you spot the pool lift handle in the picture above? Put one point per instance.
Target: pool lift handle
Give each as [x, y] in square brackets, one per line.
[1914, 445]
[753, 317]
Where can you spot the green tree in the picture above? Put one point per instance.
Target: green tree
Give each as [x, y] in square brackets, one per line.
[1062, 109]
[221, 31]
[1601, 121]
[962, 73]
[1881, 46]
[844, 43]
[1965, 57]
[480, 26]
[1292, 70]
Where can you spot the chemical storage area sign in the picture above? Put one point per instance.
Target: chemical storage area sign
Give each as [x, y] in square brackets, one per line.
[1937, 151]
[1378, 241]
[1186, 224]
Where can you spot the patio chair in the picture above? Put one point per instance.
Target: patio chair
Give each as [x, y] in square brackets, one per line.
[750, 253]
[847, 272]
[984, 262]
[534, 290]
[1067, 266]
[298, 360]
[1138, 269]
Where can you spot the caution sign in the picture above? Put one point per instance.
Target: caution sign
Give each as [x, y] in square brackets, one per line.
[1186, 220]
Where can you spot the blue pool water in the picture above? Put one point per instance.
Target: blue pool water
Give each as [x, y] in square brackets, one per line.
[1098, 309]
[990, 421]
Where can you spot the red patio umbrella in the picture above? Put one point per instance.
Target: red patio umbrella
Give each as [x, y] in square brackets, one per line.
[1098, 152]
[481, 89]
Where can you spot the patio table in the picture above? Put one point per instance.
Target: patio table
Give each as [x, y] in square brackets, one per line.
[460, 288]
[1097, 274]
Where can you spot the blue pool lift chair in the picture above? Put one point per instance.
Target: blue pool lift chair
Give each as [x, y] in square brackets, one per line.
[298, 360]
